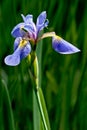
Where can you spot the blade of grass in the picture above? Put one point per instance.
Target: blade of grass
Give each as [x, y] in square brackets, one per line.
[7, 110]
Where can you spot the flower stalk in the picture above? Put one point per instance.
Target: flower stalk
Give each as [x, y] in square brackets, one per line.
[34, 74]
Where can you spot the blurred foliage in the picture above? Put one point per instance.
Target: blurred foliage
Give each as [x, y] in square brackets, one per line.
[64, 77]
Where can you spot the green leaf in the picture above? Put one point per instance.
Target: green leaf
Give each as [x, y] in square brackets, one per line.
[36, 113]
[7, 110]
[42, 107]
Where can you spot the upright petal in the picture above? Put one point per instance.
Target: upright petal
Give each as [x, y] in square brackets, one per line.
[18, 31]
[41, 18]
[27, 19]
[14, 59]
[31, 31]
[41, 21]
[63, 47]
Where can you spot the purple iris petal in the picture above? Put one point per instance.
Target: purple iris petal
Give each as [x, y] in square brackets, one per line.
[17, 42]
[41, 18]
[63, 47]
[41, 21]
[14, 59]
[20, 53]
[41, 27]
[31, 30]
[25, 51]
[17, 30]
[28, 19]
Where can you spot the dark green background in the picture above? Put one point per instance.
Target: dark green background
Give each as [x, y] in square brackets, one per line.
[64, 77]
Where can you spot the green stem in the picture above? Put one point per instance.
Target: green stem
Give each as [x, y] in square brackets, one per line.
[34, 74]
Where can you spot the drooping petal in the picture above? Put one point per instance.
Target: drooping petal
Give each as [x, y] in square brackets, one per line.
[18, 31]
[24, 47]
[63, 47]
[17, 42]
[14, 59]
[41, 21]
[25, 51]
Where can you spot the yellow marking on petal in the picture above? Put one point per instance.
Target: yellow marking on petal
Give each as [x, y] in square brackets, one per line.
[22, 43]
[57, 37]
[50, 34]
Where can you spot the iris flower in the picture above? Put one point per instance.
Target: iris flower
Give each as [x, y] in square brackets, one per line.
[27, 33]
